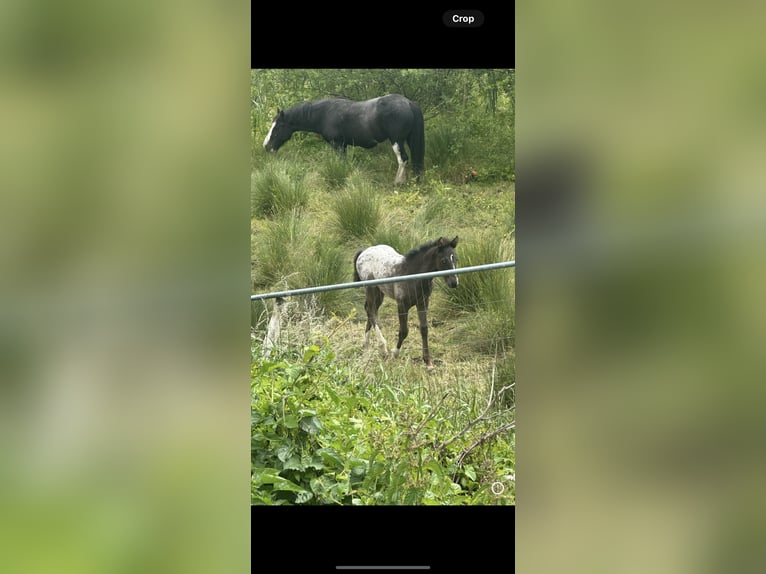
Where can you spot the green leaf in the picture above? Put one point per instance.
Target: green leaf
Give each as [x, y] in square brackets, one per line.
[284, 452]
[310, 353]
[293, 463]
[304, 497]
[266, 367]
[332, 394]
[413, 496]
[331, 458]
[434, 467]
[311, 425]
[322, 484]
[271, 476]
[290, 421]
[308, 461]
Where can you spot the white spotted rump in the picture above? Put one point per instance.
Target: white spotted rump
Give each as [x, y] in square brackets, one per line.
[377, 262]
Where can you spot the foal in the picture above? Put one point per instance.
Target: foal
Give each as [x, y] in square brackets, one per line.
[381, 261]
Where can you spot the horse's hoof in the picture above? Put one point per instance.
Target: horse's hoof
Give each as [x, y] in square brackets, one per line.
[429, 366]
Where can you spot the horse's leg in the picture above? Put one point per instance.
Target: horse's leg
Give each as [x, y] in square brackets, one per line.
[401, 158]
[367, 309]
[423, 318]
[403, 328]
[371, 305]
[340, 148]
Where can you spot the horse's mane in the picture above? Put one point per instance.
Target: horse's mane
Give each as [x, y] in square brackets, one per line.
[302, 112]
[420, 249]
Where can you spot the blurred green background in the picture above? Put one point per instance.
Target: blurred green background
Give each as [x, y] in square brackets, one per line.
[124, 249]
[641, 234]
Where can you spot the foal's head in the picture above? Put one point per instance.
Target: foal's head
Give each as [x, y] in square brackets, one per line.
[446, 258]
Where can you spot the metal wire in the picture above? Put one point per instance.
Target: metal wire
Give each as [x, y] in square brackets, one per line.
[369, 282]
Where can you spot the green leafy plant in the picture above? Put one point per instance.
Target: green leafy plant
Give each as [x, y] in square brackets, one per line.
[322, 434]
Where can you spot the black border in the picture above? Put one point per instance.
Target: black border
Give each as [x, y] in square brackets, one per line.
[394, 35]
[463, 539]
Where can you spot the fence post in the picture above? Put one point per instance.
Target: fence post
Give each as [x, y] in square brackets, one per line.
[274, 329]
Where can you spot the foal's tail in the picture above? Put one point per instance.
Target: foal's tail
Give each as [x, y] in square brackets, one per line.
[417, 141]
[356, 271]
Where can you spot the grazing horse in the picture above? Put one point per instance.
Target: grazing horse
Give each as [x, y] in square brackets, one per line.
[342, 122]
[382, 261]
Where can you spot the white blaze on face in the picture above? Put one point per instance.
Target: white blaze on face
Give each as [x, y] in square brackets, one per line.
[453, 260]
[268, 135]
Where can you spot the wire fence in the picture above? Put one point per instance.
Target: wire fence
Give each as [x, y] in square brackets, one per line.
[370, 282]
[311, 322]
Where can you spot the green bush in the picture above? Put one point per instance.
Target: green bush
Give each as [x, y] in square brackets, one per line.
[273, 190]
[335, 169]
[276, 249]
[323, 434]
[487, 298]
[357, 210]
[328, 264]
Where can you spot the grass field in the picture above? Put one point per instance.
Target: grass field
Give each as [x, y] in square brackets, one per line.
[450, 430]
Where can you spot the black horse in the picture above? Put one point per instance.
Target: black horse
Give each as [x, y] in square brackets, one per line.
[382, 261]
[343, 122]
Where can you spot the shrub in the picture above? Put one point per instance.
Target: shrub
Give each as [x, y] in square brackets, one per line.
[356, 210]
[274, 191]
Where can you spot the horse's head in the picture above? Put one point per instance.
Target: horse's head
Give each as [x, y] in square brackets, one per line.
[446, 258]
[279, 132]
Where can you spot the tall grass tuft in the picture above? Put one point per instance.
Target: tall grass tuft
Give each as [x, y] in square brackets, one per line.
[335, 170]
[399, 237]
[486, 298]
[274, 253]
[273, 190]
[445, 149]
[441, 145]
[434, 210]
[327, 264]
[357, 210]
[505, 378]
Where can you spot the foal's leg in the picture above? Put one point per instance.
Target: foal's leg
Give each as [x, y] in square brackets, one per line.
[371, 305]
[423, 318]
[403, 328]
[340, 147]
[369, 319]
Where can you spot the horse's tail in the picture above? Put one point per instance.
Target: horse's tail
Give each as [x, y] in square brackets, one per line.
[356, 271]
[417, 141]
